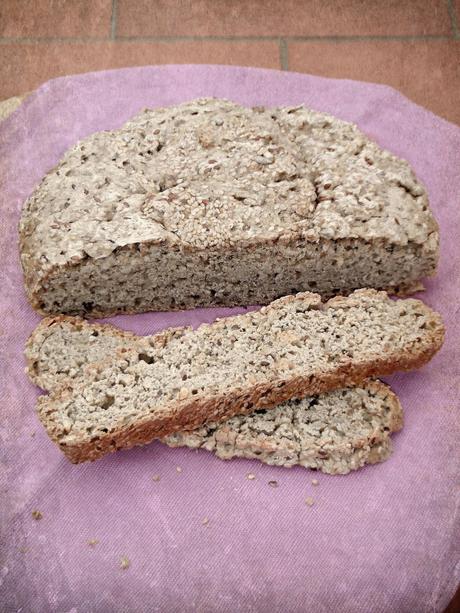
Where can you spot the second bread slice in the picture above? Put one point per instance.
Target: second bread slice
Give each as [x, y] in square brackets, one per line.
[335, 432]
[294, 347]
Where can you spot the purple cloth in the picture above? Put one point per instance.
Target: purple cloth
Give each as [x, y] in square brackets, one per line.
[382, 539]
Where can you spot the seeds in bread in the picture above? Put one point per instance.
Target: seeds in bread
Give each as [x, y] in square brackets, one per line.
[61, 347]
[210, 203]
[334, 432]
[295, 347]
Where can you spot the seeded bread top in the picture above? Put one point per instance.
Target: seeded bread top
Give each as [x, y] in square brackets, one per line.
[211, 174]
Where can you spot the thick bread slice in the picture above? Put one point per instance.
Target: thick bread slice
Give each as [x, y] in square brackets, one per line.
[295, 347]
[334, 432]
[210, 203]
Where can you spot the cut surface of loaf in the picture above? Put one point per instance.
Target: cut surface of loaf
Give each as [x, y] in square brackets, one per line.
[295, 347]
[210, 203]
[335, 432]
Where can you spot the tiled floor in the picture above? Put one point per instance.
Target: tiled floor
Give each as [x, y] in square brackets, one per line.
[413, 45]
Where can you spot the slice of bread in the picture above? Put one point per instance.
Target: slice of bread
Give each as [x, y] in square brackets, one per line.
[181, 378]
[335, 432]
[211, 203]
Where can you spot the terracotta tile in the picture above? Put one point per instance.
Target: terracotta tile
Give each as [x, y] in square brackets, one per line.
[427, 71]
[45, 18]
[25, 66]
[457, 27]
[281, 17]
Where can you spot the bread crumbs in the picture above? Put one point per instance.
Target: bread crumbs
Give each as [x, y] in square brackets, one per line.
[179, 469]
[314, 482]
[273, 483]
[156, 477]
[93, 542]
[309, 501]
[205, 521]
[250, 476]
[37, 514]
[124, 563]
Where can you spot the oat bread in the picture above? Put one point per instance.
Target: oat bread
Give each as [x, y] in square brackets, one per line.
[61, 347]
[335, 432]
[295, 347]
[211, 203]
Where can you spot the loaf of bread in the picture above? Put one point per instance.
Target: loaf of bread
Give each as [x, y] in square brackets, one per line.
[209, 203]
[335, 432]
[182, 379]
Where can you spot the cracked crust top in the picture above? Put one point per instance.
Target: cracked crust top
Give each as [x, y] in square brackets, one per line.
[209, 174]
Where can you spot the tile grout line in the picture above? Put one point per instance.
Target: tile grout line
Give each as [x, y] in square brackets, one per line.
[453, 19]
[368, 38]
[113, 20]
[284, 54]
[5, 40]
[175, 39]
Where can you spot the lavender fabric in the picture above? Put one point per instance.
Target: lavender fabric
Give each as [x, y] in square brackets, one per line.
[382, 539]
